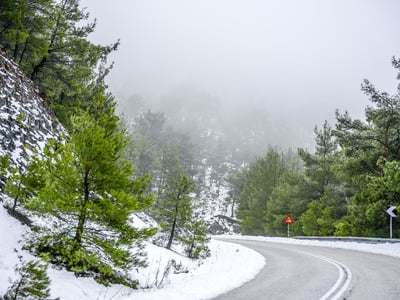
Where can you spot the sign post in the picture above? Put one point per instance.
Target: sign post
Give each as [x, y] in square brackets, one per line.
[392, 212]
[289, 221]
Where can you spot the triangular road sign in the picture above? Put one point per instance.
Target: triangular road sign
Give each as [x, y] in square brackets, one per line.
[288, 220]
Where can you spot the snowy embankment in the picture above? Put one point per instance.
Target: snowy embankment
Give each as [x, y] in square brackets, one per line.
[223, 271]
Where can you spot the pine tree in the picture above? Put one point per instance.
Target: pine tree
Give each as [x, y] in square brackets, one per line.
[318, 219]
[237, 181]
[365, 143]
[326, 195]
[195, 238]
[89, 190]
[32, 284]
[288, 197]
[259, 182]
[5, 163]
[148, 137]
[16, 188]
[367, 147]
[380, 193]
[176, 209]
[319, 166]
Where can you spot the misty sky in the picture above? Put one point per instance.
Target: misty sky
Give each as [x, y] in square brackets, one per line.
[298, 59]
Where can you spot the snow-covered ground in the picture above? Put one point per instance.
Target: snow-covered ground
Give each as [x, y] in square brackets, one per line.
[223, 271]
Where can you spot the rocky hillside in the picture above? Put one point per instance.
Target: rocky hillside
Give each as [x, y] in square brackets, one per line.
[26, 122]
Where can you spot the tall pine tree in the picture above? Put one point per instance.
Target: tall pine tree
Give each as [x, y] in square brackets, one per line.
[367, 147]
[325, 193]
[89, 191]
[259, 182]
[176, 208]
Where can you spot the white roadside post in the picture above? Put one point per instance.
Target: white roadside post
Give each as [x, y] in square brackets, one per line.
[391, 211]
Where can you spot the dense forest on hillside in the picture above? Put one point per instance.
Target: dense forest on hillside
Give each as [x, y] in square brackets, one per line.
[164, 160]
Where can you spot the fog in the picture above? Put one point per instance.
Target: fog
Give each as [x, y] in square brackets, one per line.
[292, 61]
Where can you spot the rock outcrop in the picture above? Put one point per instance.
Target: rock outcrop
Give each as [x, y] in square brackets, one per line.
[26, 122]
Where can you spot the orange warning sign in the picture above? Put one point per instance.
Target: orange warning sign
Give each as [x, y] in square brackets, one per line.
[288, 220]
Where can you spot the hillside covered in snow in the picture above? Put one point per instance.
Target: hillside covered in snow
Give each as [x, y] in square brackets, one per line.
[169, 276]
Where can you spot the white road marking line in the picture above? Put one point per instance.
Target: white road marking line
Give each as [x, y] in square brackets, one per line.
[344, 279]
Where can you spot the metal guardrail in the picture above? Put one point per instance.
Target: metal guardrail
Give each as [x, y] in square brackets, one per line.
[349, 239]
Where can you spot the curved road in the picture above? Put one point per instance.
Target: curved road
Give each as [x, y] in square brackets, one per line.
[305, 272]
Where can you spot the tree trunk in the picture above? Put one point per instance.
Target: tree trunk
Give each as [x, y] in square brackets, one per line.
[171, 236]
[82, 213]
[190, 252]
[16, 47]
[38, 67]
[21, 57]
[15, 204]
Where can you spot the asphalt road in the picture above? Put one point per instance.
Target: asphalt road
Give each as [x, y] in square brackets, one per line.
[303, 272]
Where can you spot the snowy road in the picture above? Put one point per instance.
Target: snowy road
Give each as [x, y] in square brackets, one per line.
[303, 272]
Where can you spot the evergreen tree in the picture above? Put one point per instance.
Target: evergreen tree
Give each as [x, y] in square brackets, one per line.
[5, 163]
[89, 191]
[176, 209]
[289, 197]
[32, 284]
[176, 159]
[364, 143]
[168, 156]
[367, 146]
[148, 140]
[367, 216]
[195, 238]
[326, 195]
[236, 180]
[185, 150]
[319, 166]
[318, 219]
[22, 184]
[161, 152]
[16, 187]
[259, 182]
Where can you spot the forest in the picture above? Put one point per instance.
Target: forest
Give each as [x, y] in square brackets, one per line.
[108, 166]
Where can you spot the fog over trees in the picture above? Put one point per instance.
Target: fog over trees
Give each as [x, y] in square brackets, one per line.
[275, 67]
